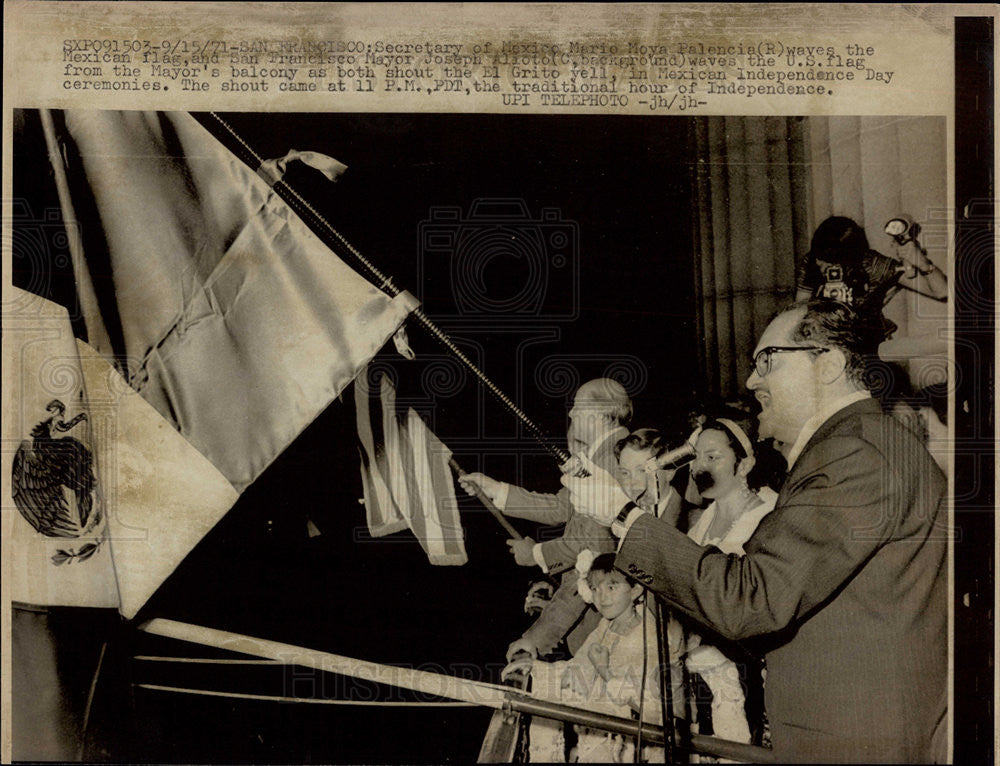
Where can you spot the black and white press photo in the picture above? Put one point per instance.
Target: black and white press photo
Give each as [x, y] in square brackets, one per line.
[592, 426]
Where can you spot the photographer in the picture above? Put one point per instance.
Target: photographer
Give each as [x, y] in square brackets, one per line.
[841, 266]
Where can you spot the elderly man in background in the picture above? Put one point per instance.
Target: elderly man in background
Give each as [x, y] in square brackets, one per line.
[846, 578]
[601, 410]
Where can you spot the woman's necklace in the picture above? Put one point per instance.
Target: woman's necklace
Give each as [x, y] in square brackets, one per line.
[749, 500]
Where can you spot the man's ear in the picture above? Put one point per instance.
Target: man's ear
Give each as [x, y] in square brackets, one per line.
[832, 365]
[606, 419]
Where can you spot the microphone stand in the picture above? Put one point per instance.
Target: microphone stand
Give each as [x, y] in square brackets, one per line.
[663, 651]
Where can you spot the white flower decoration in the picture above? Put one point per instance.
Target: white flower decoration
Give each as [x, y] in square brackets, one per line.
[584, 560]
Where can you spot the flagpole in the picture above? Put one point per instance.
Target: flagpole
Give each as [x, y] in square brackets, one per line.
[97, 333]
[384, 282]
[497, 513]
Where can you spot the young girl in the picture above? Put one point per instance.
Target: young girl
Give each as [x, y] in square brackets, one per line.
[606, 675]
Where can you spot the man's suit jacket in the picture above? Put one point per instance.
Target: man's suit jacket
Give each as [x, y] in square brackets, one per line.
[566, 612]
[847, 579]
[580, 531]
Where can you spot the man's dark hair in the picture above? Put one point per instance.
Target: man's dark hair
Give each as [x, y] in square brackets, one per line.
[889, 382]
[834, 324]
[643, 439]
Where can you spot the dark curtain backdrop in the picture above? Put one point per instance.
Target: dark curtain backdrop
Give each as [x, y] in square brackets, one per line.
[751, 221]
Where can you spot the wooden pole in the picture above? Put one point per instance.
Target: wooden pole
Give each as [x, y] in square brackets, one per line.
[97, 333]
[497, 514]
[437, 684]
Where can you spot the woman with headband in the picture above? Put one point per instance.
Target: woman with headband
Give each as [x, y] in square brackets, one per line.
[733, 474]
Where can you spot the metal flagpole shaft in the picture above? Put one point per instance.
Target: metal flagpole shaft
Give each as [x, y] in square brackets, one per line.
[497, 513]
[310, 215]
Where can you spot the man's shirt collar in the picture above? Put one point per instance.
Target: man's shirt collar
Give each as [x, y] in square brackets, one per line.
[814, 423]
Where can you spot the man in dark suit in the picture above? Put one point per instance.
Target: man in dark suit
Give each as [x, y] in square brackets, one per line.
[601, 410]
[846, 581]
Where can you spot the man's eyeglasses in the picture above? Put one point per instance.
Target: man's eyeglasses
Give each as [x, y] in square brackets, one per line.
[762, 360]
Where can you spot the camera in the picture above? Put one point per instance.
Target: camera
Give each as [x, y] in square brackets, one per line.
[835, 288]
[499, 263]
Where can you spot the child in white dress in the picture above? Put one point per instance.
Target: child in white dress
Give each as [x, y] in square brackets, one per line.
[615, 671]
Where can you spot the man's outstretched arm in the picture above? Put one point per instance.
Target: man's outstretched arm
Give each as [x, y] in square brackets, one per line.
[800, 554]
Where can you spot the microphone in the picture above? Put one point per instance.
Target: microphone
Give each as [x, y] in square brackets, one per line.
[677, 457]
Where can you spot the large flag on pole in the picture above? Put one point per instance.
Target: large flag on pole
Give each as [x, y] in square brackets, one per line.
[162, 493]
[55, 498]
[232, 325]
[406, 477]
[238, 323]
[56, 531]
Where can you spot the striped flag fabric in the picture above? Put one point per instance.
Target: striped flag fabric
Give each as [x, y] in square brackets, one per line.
[405, 474]
[384, 517]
